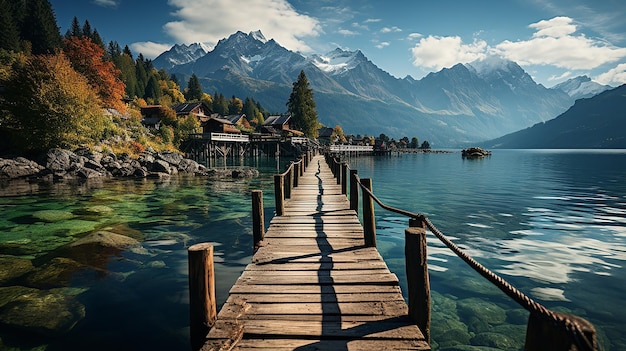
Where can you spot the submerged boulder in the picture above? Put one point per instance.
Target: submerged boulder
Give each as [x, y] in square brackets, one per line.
[39, 311]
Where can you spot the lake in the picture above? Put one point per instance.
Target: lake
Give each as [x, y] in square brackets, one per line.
[551, 222]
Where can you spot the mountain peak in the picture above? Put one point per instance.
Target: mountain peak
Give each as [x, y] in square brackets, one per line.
[258, 36]
[581, 87]
[486, 66]
[338, 60]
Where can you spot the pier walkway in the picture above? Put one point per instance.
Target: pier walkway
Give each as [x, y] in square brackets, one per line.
[313, 284]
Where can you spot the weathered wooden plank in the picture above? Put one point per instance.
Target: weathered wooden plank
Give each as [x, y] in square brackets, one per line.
[314, 289]
[280, 279]
[330, 345]
[315, 266]
[376, 308]
[280, 297]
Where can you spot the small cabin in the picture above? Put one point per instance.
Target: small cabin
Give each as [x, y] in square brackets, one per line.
[279, 125]
[200, 109]
[239, 121]
[218, 124]
[151, 116]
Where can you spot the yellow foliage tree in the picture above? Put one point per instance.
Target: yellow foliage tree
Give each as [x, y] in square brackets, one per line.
[50, 105]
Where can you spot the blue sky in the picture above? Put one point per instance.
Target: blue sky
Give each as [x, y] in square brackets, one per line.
[553, 40]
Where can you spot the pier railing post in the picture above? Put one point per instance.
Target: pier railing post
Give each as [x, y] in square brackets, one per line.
[279, 194]
[202, 306]
[288, 182]
[542, 334]
[344, 178]
[338, 171]
[296, 174]
[354, 191]
[258, 218]
[416, 256]
[369, 222]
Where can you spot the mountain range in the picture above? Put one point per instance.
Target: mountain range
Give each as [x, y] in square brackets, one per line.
[466, 103]
[592, 123]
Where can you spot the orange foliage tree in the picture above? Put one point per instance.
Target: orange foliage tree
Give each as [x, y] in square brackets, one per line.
[87, 58]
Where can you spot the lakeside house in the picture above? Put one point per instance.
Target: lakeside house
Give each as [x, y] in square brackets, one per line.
[279, 125]
[151, 116]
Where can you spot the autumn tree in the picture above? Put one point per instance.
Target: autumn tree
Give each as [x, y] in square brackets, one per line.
[235, 106]
[49, 104]
[301, 106]
[88, 59]
[338, 135]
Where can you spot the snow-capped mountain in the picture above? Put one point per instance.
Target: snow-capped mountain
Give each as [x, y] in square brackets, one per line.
[581, 87]
[180, 54]
[464, 103]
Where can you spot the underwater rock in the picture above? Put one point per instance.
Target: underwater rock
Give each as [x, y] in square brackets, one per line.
[106, 239]
[483, 310]
[52, 216]
[14, 267]
[39, 311]
[58, 272]
[499, 341]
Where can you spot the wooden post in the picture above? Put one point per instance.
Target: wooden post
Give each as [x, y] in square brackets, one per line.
[258, 218]
[344, 178]
[296, 174]
[369, 222]
[289, 181]
[279, 194]
[418, 283]
[354, 191]
[543, 335]
[202, 307]
[338, 171]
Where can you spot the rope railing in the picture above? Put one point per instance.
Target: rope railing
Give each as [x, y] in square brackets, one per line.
[578, 331]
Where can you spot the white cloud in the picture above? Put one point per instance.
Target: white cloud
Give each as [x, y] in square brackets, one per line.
[347, 32]
[555, 43]
[614, 77]
[372, 20]
[393, 29]
[382, 45]
[438, 52]
[149, 49]
[561, 77]
[208, 21]
[414, 36]
[106, 3]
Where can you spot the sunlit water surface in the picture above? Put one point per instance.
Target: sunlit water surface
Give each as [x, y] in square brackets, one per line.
[551, 222]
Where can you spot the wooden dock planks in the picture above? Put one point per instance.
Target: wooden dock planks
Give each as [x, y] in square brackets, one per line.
[313, 285]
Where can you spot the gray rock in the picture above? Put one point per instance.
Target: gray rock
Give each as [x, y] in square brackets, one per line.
[160, 166]
[19, 168]
[170, 157]
[59, 160]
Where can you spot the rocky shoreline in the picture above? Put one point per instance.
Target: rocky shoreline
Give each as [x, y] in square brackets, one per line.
[59, 165]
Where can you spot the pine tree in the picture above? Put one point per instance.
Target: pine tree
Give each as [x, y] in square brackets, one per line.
[194, 89]
[74, 30]
[86, 32]
[301, 106]
[9, 35]
[153, 90]
[40, 27]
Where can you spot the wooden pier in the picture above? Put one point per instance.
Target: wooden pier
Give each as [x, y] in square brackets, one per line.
[314, 284]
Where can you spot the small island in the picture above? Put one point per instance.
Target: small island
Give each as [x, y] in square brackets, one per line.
[475, 152]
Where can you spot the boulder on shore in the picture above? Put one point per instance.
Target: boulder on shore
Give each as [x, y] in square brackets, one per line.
[475, 152]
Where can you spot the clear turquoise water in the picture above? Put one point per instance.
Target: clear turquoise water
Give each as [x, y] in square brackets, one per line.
[553, 223]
